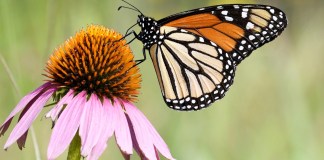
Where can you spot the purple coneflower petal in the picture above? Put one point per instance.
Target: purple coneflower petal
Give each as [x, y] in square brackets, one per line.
[159, 143]
[135, 144]
[54, 112]
[122, 133]
[108, 123]
[66, 126]
[91, 125]
[110, 115]
[157, 154]
[21, 105]
[22, 140]
[141, 131]
[30, 115]
[146, 134]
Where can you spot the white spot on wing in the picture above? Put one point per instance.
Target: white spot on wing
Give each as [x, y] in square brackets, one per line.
[201, 39]
[249, 25]
[183, 30]
[224, 13]
[270, 26]
[220, 7]
[229, 18]
[244, 14]
[251, 37]
[220, 51]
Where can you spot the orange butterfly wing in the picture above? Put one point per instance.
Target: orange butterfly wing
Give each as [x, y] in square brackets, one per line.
[237, 30]
[209, 26]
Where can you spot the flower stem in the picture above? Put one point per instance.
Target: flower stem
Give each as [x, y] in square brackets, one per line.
[13, 81]
[33, 134]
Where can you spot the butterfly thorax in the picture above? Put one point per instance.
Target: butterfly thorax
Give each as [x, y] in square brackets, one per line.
[150, 31]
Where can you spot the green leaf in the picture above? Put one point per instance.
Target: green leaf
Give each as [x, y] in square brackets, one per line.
[75, 148]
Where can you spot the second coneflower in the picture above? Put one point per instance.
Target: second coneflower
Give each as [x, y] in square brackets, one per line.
[93, 81]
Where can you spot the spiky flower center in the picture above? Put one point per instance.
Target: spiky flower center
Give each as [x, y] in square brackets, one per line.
[97, 61]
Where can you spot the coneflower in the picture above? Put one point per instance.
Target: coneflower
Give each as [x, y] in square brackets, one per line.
[94, 81]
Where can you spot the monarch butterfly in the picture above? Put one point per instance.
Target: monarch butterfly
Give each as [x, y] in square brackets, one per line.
[195, 52]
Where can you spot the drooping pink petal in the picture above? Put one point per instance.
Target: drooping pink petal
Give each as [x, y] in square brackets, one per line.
[159, 143]
[21, 105]
[108, 124]
[26, 121]
[136, 116]
[22, 140]
[156, 154]
[126, 156]
[134, 140]
[97, 150]
[54, 112]
[122, 133]
[142, 133]
[5, 126]
[66, 126]
[91, 124]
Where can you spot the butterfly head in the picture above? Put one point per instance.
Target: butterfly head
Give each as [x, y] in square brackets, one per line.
[149, 30]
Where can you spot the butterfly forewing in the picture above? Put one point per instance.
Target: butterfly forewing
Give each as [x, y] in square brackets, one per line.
[193, 71]
[238, 29]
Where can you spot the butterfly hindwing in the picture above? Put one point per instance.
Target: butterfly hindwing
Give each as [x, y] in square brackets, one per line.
[193, 72]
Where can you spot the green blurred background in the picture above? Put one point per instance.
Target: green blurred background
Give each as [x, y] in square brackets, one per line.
[274, 110]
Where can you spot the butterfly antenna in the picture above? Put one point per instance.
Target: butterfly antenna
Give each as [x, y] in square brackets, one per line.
[120, 7]
[131, 8]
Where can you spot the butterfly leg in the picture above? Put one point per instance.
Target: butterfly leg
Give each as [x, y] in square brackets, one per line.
[139, 61]
[126, 35]
[130, 28]
[135, 37]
